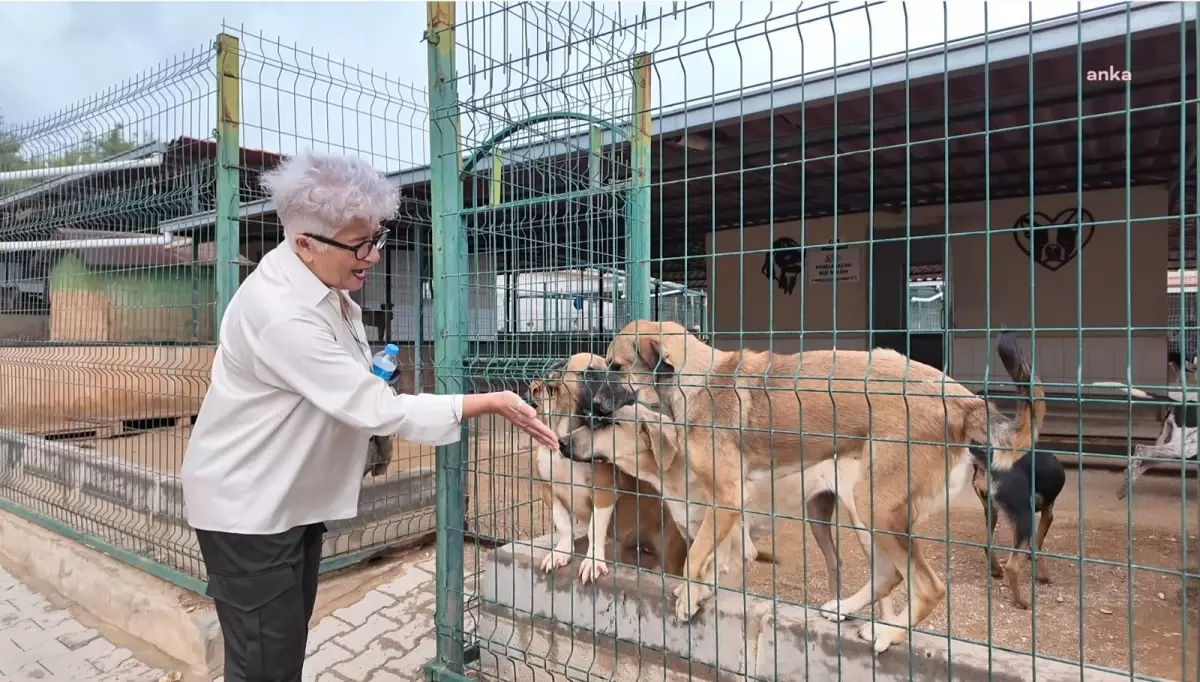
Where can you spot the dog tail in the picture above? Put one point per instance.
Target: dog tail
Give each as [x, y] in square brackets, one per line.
[1032, 413]
[1010, 438]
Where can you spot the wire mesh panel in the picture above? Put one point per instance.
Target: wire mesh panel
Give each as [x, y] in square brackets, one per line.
[827, 180]
[293, 99]
[127, 222]
[108, 322]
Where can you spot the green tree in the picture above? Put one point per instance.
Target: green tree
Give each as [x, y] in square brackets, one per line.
[10, 149]
[93, 150]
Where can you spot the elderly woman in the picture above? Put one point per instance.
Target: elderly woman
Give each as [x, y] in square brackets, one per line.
[281, 439]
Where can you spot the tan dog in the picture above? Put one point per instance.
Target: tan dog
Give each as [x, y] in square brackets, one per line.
[838, 416]
[593, 495]
[619, 443]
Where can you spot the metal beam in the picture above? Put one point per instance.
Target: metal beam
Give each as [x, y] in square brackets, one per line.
[152, 161]
[788, 211]
[936, 161]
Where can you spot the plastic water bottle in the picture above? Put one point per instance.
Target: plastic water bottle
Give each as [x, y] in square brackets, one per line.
[383, 365]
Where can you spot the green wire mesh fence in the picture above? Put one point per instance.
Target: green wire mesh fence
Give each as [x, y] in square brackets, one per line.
[108, 323]
[810, 178]
[126, 223]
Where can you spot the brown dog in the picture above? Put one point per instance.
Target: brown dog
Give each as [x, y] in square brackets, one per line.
[839, 416]
[597, 495]
[620, 443]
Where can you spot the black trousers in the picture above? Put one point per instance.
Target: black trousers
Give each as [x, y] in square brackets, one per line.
[264, 587]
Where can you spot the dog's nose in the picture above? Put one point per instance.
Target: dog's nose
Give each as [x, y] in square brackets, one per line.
[602, 405]
[564, 445]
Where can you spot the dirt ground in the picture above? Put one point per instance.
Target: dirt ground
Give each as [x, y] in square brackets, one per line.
[1081, 615]
[1089, 608]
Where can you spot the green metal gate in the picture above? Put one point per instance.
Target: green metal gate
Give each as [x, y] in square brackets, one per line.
[559, 244]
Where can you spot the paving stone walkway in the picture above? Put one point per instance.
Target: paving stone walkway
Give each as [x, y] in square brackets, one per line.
[387, 636]
[41, 642]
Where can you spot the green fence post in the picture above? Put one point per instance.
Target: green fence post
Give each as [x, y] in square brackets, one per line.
[228, 173]
[449, 325]
[637, 206]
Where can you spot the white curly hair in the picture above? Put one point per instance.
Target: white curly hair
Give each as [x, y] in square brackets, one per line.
[319, 193]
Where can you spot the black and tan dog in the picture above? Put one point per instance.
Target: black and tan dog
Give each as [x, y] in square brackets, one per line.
[1029, 488]
[841, 417]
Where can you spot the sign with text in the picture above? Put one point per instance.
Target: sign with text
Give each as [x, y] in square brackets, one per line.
[821, 267]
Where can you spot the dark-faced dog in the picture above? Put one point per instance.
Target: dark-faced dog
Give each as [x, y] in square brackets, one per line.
[750, 420]
[598, 494]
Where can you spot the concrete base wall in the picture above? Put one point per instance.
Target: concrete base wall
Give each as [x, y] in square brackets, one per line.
[535, 626]
[141, 509]
[24, 327]
[179, 623]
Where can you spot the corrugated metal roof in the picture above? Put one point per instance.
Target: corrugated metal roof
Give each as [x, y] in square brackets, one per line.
[180, 150]
[186, 148]
[139, 152]
[1044, 129]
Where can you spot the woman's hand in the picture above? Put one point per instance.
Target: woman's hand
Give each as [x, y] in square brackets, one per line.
[522, 415]
[518, 412]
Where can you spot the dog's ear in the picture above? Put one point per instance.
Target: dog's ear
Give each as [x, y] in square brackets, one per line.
[555, 371]
[653, 355]
[660, 435]
[554, 374]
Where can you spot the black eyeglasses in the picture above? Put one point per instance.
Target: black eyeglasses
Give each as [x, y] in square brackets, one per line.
[361, 250]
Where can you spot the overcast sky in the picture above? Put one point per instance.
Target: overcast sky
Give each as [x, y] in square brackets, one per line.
[57, 54]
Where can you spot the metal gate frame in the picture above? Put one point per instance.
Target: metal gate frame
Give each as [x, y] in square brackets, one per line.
[447, 171]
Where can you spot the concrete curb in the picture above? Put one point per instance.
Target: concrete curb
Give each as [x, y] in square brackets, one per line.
[538, 625]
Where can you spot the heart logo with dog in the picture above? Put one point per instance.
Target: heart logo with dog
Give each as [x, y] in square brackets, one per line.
[1054, 241]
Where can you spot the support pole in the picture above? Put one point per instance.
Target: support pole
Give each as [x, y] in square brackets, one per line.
[418, 267]
[496, 191]
[595, 176]
[449, 327]
[228, 173]
[637, 205]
